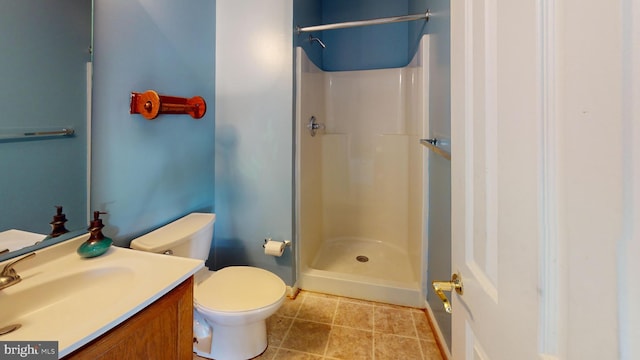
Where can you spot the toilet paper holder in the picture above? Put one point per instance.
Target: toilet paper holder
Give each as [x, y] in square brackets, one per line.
[287, 243]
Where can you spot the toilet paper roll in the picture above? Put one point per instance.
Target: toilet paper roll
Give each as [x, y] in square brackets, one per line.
[274, 248]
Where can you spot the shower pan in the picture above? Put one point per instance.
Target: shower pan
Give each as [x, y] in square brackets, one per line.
[361, 181]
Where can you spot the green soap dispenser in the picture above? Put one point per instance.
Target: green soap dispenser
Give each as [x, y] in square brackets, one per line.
[97, 244]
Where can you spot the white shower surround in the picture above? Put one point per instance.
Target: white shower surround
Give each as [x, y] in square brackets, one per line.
[361, 182]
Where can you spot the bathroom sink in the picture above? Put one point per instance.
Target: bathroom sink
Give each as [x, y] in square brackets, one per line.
[63, 297]
[35, 302]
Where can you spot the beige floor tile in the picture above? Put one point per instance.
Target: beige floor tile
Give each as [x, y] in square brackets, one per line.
[318, 308]
[393, 347]
[422, 326]
[397, 307]
[307, 336]
[324, 327]
[393, 320]
[277, 327]
[290, 307]
[350, 344]
[430, 350]
[285, 354]
[356, 315]
[318, 294]
[357, 301]
[268, 354]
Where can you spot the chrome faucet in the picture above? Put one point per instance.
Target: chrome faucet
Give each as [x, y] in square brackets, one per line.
[9, 276]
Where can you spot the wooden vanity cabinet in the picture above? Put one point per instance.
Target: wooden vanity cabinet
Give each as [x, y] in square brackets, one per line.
[163, 330]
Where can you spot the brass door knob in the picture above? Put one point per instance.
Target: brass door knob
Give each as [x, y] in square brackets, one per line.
[441, 286]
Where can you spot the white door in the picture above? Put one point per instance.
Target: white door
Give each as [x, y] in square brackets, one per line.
[545, 179]
[495, 178]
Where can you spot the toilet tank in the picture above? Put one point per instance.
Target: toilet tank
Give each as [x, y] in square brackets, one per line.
[189, 236]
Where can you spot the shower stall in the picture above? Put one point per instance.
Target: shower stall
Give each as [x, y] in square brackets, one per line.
[361, 182]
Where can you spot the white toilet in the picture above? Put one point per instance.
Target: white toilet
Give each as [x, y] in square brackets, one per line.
[234, 301]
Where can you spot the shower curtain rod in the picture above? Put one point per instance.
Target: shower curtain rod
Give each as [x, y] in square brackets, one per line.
[387, 20]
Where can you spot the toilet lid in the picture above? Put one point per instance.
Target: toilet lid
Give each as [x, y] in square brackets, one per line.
[239, 288]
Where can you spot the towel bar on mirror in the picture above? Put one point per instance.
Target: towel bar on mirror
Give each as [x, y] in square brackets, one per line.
[20, 134]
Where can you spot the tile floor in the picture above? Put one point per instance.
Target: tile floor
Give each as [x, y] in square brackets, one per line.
[316, 326]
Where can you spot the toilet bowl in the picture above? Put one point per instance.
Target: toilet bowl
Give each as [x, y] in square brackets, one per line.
[236, 301]
[231, 305]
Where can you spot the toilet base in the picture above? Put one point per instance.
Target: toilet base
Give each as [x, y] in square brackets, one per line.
[240, 342]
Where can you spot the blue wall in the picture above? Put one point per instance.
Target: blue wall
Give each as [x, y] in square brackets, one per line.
[439, 262]
[360, 48]
[417, 28]
[44, 50]
[368, 47]
[308, 13]
[147, 173]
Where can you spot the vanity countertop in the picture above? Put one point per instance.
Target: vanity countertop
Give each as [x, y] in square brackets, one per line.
[63, 297]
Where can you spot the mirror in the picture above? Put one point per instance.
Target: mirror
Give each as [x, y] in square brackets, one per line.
[45, 58]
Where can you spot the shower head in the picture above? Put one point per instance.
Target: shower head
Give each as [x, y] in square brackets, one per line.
[312, 39]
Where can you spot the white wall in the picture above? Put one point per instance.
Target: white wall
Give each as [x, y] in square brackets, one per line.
[253, 152]
[594, 179]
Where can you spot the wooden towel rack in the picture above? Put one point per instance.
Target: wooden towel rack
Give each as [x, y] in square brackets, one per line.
[150, 104]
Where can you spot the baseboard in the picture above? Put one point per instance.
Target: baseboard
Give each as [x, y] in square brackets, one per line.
[292, 291]
[442, 344]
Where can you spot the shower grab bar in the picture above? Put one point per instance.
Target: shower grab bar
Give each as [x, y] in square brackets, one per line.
[24, 134]
[432, 144]
[349, 24]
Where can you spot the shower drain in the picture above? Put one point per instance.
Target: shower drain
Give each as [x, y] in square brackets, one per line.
[362, 258]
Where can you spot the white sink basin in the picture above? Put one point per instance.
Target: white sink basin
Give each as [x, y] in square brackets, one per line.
[63, 297]
[34, 302]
